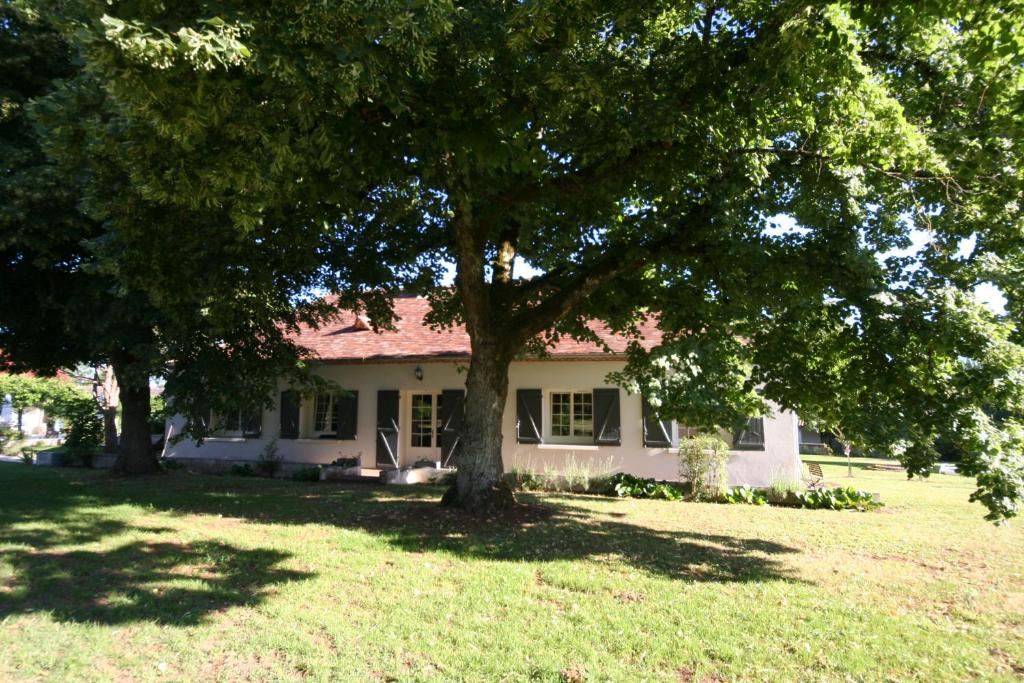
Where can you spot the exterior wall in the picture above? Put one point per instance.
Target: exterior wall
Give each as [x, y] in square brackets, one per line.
[33, 420]
[779, 459]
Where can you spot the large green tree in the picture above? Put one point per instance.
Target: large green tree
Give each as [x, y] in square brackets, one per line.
[73, 251]
[54, 310]
[737, 169]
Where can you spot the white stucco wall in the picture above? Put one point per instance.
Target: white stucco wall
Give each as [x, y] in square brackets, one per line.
[33, 420]
[754, 468]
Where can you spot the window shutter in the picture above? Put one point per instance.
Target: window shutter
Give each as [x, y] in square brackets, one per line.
[750, 437]
[452, 412]
[346, 415]
[657, 433]
[289, 407]
[607, 420]
[387, 428]
[252, 425]
[528, 416]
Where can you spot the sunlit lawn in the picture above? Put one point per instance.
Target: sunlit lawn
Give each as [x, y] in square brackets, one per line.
[184, 577]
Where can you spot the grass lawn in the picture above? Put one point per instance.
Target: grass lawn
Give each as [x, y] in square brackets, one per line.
[184, 577]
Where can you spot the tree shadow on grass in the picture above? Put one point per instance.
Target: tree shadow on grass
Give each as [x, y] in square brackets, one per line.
[45, 518]
[547, 529]
[165, 582]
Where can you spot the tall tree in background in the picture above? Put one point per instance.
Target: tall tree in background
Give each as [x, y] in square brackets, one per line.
[736, 169]
[65, 298]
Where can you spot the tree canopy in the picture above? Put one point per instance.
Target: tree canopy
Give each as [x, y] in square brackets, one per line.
[746, 172]
[70, 284]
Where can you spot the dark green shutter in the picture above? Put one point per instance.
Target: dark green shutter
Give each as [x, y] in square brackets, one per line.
[657, 432]
[289, 407]
[751, 437]
[607, 420]
[452, 412]
[528, 416]
[252, 425]
[346, 415]
[387, 428]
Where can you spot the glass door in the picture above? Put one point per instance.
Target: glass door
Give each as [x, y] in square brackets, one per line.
[424, 427]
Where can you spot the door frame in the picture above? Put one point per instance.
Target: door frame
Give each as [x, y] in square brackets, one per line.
[406, 452]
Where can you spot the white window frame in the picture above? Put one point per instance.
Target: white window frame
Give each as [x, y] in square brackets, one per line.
[239, 433]
[549, 418]
[331, 416]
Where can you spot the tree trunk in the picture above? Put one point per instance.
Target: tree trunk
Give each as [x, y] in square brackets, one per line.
[480, 486]
[110, 398]
[110, 429]
[135, 452]
[21, 414]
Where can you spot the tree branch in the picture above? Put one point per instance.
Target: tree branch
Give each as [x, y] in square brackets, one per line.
[563, 298]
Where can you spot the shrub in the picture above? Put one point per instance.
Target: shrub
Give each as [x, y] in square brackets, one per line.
[85, 427]
[171, 464]
[703, 461]
[346, 462]
[575, 476]
[630, 486]
[27, 456]
[307, 474]
[839, 498]
[269, 462]
[243, 470]
[784, 490]
[744, 494]
[527, 480]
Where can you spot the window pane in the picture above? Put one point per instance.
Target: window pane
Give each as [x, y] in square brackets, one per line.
[422, 419]
[560, 416]
[323, 415]
[583, 414]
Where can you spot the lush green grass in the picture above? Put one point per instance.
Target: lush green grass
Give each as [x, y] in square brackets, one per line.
[183, 577]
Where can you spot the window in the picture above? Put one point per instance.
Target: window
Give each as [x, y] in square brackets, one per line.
[688, 432]
[228, 424]
[237, 423]
[323, 414]
[751, 437]
[425, 420]
[572, 414]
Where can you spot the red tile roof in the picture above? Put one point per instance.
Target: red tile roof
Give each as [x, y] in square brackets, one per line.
[346, 339]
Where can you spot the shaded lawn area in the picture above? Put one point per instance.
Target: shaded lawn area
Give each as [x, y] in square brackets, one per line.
[184, 577]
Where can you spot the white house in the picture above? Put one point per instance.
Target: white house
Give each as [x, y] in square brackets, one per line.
[403, 400]
[33, 420]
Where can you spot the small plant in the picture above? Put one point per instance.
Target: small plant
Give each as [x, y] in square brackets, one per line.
[241, 470]
[744, 494]
[839, 498]
[27, 456]
[171, 464]
[85, 427]
[527, 480]
[783, 491]
[626, 485]
[307, 474]
[270, 461]
[703, 461]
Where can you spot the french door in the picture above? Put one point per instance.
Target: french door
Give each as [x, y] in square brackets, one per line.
[424, 442]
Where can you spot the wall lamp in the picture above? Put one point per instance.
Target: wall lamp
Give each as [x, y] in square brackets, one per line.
[418, 372]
